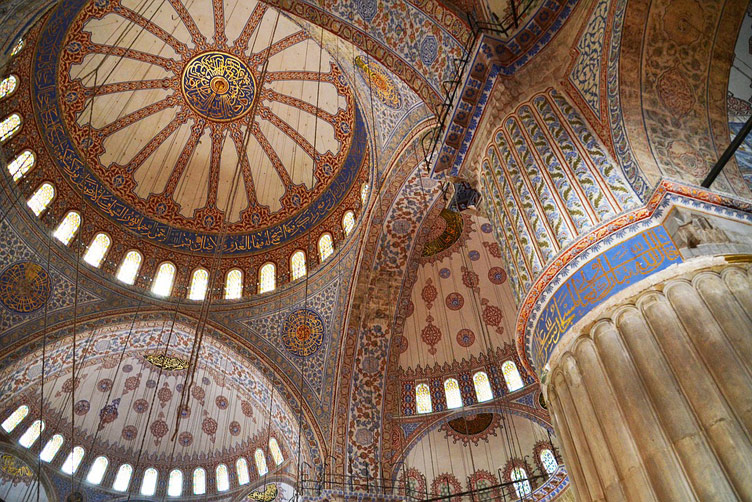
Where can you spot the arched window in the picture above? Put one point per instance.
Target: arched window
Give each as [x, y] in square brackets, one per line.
[41, 198]
[22, 164]
[20, 44]
[149, 483]
[15, 418]
[73, 460]
[326, 246]
[10, 126]
[97, 470]
[267, 281]
[51, 448]
[241, 467]
[549, 461]
[32, 434]
[234, 284]
[275, 451]
[97, 250]
[364, 193]
[199, 481]
[8, 86]
[423, 398]
[482, 387]
[452, 392]
[123, 478]
[175, 483]
[522, 485]
[511, 376]
[298, 265]
[260, 459]
[223, 478]
[130, 266]
[199, 283]
[348, 222]
[162, 284]
[68, 228]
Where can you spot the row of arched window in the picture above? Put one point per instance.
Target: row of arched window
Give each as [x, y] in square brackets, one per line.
[122, 481]
[481, 383]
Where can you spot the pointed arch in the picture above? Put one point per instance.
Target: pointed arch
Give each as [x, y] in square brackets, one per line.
[298, 265]
[234, 284]
[348, 222]
[129, 267]
[162, 283]
[326, 246]
[267, 278]
[41, 199]
[68, 228]
[10, 126]
[199, 284]
[97, 249]
[511, 376]
[8, 86]
[22, 164]
[423, 398]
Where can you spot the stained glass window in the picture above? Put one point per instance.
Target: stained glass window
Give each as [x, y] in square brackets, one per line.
[260, 459]
[267, 280]
[130, 266]
[326, 246]
[51, 448]
[223, 478]
[15, 418]
[162, 285]
[8, 86]
[22, 164]
[149, 483]
[348, 222]
[298, 265]
[18, 47]
[9, 127]
[522, 487]
[364, 193]
[123, 478]
[175, 483]
[73, 460]
[275, 451]
[199, 481]
[199, 283]
[549, 461]
[241, 467]
[97, 470]
[511, 376]
[482, 387]
[41, 198]
[423, 398]
[234, 284]
[32, 433]
[68, 228]
[482, 494]
[97, 250]
[452, 392]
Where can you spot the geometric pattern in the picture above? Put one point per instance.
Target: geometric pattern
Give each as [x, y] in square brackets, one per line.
[24, 287]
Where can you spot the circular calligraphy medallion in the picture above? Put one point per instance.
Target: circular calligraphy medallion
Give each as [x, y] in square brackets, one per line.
[24, 287]
[218, 86]
[303, 332]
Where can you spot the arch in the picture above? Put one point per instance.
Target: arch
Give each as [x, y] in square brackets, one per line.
[15, 418]
[22, 164]
[298, 265]
[162, 283]
[18, 47]
[423, 398]
[241, 468]
[41, 198]
[223, 478]
[97, 249]
[548, 460]
[97, 470]
[521, 483]
[512, 376]
[452, 393]
[10, 126]
[483, 391]
[364, 189]
[175, 483]
[8, 86]
[129, 267]
[50, 450]
[30, 436]
[199, 284]
[326, 246]
[73, 460]
[68, 228]
[149, 482]
[267, 278]
[348, 222]
[234, 284]
[123, 478]
[275, 451]
[199, 481]
[260, 459]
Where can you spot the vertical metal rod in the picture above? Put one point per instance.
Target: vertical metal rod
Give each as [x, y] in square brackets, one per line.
[730, 151]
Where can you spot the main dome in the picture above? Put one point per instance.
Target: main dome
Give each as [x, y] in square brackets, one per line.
[194, 119]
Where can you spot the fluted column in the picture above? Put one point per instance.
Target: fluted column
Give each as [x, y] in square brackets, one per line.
[653, 399]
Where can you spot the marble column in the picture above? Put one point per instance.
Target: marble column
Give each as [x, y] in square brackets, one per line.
[652, 399]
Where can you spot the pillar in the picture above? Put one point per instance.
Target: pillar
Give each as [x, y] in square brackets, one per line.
[652, 400]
